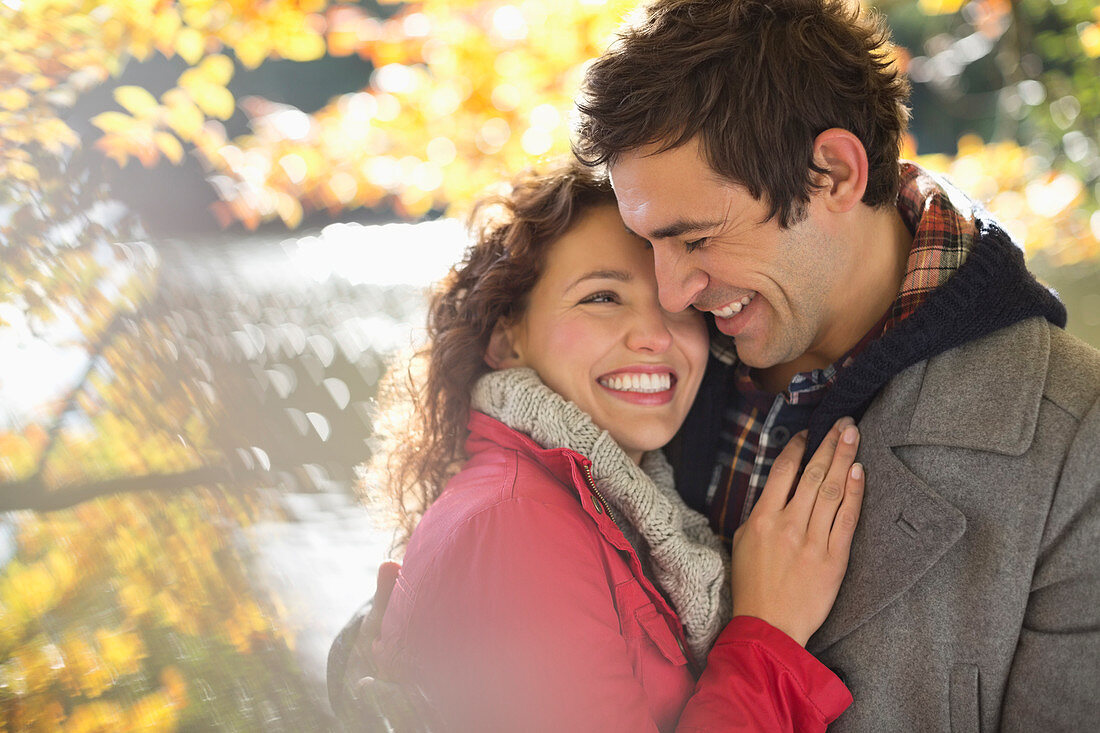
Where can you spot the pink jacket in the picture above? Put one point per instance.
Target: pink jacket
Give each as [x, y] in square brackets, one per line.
[521, 606]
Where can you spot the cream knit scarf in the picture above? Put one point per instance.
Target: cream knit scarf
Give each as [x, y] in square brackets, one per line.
[675, 543]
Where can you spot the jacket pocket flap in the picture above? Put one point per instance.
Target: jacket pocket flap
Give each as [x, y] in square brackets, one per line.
[656, 628]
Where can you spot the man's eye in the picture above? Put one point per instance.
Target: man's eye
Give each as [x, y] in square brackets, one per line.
[695, 244]
[604, 296]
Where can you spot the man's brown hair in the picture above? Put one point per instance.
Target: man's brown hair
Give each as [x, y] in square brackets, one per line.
[757, 81]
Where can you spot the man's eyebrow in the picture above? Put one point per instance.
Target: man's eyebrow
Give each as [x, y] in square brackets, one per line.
[679, 228]
[620, 275]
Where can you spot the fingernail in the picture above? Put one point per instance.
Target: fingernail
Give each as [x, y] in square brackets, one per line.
[857, 471]
[850, 434]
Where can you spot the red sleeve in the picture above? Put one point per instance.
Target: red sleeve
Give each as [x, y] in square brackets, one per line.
[759, 679]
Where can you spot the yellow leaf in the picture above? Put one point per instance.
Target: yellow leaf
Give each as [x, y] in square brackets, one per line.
[55, 135]
[185, 118]
[1090, 39]
[137, 101]
[214, 100]
[190, 45]
[141, 43]
[303, 47]
[290, 210]
[23, 171]
[113, 121]
[189, 81]
[170, 146]
[41, 83]
[218, 69]
[250, 51]
[939, 7]
[14, 99]
[165, 26]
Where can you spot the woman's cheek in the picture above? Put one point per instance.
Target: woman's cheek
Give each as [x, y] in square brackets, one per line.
[570, 338]
[693, 339]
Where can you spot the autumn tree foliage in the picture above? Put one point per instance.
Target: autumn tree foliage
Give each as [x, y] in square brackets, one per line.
[463, 93]
[109, 619]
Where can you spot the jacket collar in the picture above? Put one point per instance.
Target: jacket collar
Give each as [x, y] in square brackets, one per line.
[486, 431]
[991, 389]
[564, 464]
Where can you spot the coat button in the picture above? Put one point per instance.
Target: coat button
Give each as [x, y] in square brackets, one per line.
[780, 434]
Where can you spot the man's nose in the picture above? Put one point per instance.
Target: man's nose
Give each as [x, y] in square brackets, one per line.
[677, 283]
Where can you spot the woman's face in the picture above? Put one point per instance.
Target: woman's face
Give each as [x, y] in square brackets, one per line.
[597, 335]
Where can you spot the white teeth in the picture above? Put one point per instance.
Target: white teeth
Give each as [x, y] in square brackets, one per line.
[733, 308]
[643, 382]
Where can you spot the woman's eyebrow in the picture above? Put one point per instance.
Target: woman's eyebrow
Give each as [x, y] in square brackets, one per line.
[620, 275]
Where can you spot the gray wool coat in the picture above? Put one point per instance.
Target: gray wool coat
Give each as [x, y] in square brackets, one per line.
[972, 599]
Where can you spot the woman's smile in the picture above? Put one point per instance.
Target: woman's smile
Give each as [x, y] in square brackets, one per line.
[641, 385]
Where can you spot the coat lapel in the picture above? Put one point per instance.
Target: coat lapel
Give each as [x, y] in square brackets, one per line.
[983, 396]
[904, 528]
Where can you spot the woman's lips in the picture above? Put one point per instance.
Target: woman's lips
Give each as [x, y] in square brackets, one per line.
[640, 386]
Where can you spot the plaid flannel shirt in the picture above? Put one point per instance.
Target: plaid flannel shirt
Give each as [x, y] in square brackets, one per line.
[758, 424]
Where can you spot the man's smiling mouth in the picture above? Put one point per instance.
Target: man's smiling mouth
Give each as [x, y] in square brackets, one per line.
[731, 309]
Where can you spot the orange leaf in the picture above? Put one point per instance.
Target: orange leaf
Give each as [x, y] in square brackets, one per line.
[115, 147]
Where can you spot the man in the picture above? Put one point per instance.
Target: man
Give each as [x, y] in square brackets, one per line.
[755, 144]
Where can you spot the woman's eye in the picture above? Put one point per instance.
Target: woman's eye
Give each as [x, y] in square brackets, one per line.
[695, 244]
[601, 297]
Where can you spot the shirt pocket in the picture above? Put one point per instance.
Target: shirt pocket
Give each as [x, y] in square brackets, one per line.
[643, 625]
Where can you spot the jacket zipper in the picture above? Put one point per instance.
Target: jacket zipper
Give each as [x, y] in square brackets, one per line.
[596, 492]
[607, 508]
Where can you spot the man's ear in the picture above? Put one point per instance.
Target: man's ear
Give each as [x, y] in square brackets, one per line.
[501, 352]
[845, 160]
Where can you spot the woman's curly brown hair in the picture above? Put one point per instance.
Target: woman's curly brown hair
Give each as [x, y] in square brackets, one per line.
[423, 423]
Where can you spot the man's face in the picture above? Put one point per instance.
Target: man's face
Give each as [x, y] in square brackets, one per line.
[774, 290]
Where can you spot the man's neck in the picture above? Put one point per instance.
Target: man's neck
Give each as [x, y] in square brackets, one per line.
[871, 288]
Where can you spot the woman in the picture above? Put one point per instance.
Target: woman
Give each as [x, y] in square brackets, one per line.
[557, 581]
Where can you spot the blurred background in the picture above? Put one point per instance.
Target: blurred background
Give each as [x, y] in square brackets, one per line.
[218, 221]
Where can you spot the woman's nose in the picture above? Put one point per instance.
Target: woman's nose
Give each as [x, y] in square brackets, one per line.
[649, 332]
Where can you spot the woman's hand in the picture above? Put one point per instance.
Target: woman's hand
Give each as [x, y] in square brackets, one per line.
[789, 557]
